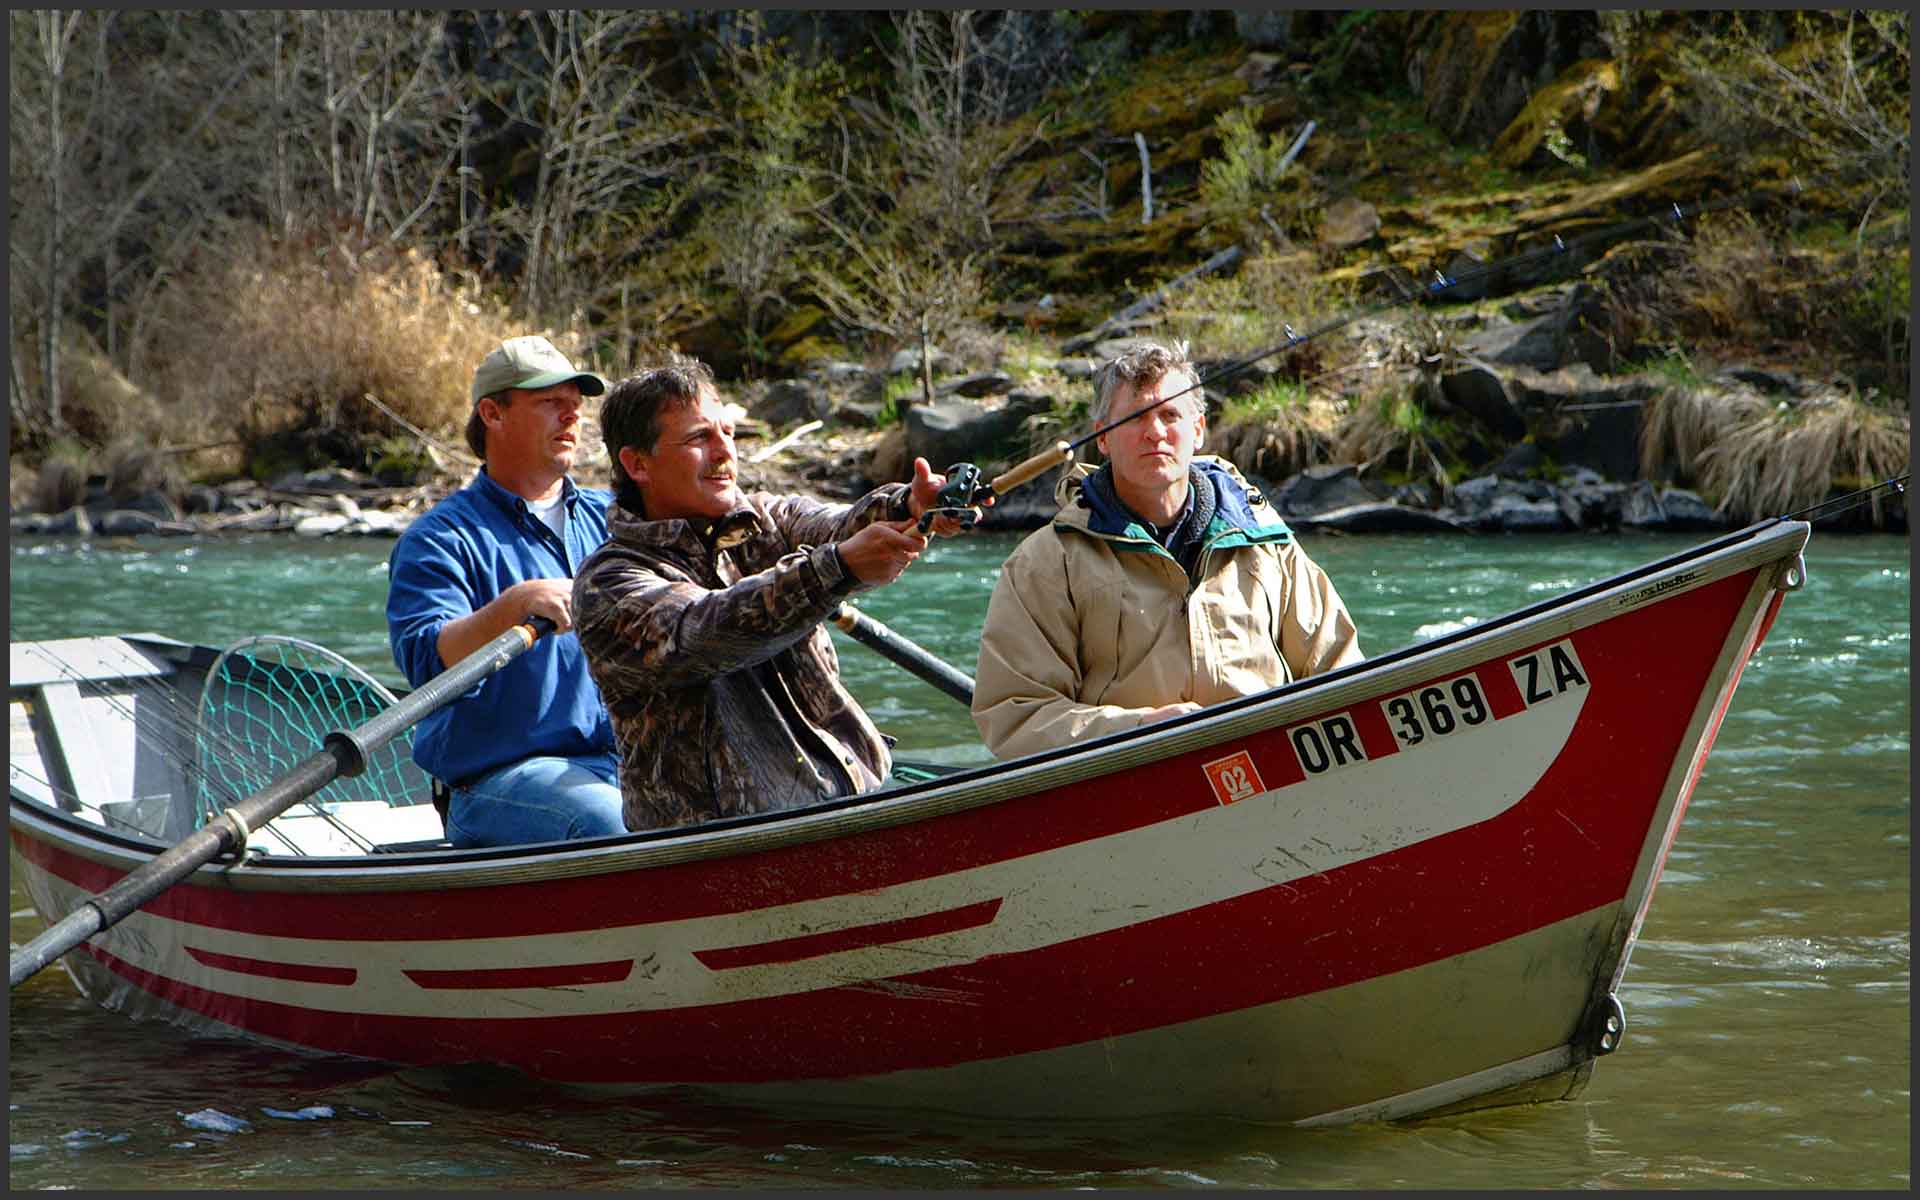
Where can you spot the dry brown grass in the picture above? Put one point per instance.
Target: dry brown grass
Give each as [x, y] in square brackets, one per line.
[133, 468]
[1794, 456]
[289, 335]
[1684, 420]
[60, 484]
[1277, 431]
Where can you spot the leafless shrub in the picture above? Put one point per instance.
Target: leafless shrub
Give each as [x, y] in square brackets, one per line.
[912, 236]
[1831, 90]
[291, 335]
[134, 467]
[1252, 310]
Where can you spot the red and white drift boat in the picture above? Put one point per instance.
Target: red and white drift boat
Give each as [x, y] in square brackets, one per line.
[1409, 885]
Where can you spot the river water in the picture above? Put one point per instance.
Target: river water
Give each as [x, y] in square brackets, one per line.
[1768, 1000]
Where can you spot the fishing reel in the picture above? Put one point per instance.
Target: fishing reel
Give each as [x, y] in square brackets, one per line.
[959, 499]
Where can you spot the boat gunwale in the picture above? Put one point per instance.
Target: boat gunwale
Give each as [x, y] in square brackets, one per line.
[973, 787]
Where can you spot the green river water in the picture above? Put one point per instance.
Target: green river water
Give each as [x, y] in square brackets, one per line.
[1768, 1000]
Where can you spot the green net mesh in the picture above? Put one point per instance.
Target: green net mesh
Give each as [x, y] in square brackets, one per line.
[267, 706]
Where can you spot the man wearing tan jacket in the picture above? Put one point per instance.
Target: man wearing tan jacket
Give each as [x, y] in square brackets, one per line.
[1165, 583]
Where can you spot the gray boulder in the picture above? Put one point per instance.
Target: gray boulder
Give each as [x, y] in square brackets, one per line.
[1029, 506]
[1513, 514]
[73, 522]
[202, 499]
[1533, 343]
[1265, 29]
[1673, 510]
[1521, 460]
[1476, 389]
[787, 401]
[950, 431]
[907, 362]
[1348, 222]
[1571, 332]
[842, 374]
[1379, 517]
[1323, 489]
[976, 386]
[127, 522]
[860, 413]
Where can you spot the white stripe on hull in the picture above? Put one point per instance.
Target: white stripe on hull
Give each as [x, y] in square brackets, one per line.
[1082, 889]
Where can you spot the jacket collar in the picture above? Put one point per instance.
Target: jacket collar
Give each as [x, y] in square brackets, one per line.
[692, 537]
[1240, 508]
[512, 502]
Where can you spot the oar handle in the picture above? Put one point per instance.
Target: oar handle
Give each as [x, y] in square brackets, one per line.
[1033, 468]
[343, 754]
[904, 652]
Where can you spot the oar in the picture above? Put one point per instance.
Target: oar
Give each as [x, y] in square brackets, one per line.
[343, 754]
[914, 657]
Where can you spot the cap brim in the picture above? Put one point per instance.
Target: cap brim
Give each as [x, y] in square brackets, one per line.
[590, 384]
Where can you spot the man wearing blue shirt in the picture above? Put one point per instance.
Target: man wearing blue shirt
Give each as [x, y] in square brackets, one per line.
[528, 753]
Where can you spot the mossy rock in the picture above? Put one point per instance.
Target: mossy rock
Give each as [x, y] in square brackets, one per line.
[1570, 103]
[798, 322]
[1190, 92]
[812, 350]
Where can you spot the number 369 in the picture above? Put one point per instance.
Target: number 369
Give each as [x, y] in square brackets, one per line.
[1437, 710]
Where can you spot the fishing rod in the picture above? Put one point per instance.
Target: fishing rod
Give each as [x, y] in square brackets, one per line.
[964, 489]
[1852, 500]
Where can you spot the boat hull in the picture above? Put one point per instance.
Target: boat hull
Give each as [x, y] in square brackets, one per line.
[1406, 886]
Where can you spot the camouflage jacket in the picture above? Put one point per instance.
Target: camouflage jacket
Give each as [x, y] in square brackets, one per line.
[709, 651]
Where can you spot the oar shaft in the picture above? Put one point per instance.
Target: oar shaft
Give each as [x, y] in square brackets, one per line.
[903, 652]
[344, 754]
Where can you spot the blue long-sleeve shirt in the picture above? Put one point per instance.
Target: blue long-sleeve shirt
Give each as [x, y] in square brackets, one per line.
[466, 550]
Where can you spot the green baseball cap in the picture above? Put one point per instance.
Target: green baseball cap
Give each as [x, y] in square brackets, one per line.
[530, 362]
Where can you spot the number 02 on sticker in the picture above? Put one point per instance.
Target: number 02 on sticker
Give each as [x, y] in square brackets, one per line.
[1234, 777]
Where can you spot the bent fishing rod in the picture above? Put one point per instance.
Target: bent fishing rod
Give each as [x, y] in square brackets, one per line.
[964, 489]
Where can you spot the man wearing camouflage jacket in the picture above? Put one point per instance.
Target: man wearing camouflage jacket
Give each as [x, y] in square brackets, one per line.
[701, 614]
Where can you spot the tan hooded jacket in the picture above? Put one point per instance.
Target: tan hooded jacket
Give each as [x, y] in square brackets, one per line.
[1086, 629]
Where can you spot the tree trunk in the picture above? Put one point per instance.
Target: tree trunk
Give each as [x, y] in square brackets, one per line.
[56, 34]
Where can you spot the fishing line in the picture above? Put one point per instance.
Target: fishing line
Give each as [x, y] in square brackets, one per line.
[1850, 501]
[961, 493]
[1442, 283]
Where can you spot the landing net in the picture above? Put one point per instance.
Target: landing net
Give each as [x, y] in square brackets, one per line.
[268, 704]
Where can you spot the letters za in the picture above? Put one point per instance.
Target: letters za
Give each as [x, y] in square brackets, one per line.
[1547, 672]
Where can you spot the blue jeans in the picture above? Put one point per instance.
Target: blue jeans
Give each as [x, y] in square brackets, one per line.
[547, 799]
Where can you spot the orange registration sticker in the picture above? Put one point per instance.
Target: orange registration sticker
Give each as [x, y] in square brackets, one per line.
[1234, 777]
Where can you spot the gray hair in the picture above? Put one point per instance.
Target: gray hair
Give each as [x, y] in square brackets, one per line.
[1143, 364]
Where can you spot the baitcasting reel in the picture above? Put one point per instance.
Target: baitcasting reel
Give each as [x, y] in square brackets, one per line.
[959, 498]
